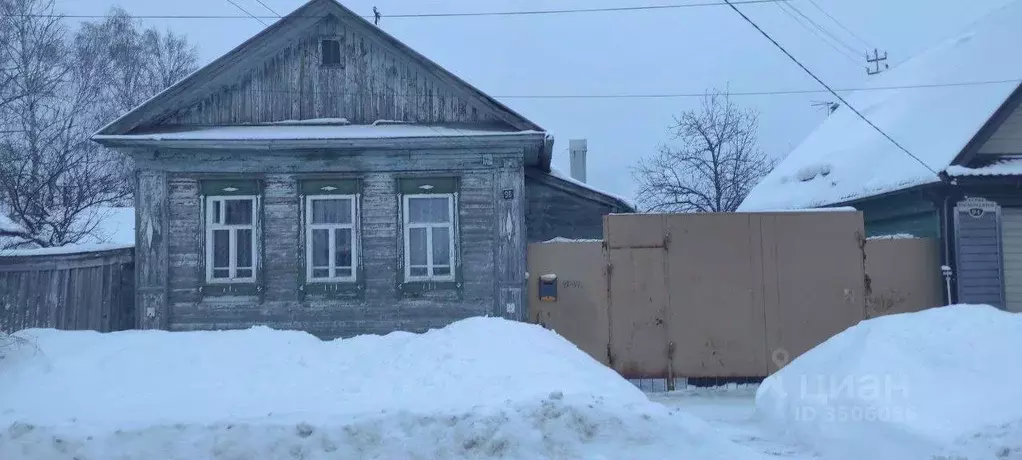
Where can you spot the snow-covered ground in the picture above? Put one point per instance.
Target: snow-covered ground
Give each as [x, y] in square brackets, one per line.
[480, 388]
[946, 381]
[941, 384]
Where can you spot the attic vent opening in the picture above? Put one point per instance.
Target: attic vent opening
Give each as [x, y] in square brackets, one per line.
[331, 52]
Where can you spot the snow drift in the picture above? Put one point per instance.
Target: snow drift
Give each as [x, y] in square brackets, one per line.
[480, 388]
[907, 386]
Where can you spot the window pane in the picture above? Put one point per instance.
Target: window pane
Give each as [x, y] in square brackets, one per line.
[216, 212]
[429, 210]
[441, 271]
[417, 246]
[342, 247]
[418, 271]
[221, 248]
[244, 273]
[321, 248]
[321, 273]
[238, 212]
[441, 246]
[221, 273]
[343, 272]
[243, 243]
[335, 211]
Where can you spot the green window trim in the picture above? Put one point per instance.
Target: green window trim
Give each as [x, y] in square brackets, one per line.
[426, 185]
[429, 186]
[331, 187]
[228, 187]
[330, 288]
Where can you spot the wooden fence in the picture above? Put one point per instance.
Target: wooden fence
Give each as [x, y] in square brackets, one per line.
[81, 291]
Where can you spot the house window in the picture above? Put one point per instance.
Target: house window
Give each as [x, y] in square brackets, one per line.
[331, 52]
[330, 238]
[231, 238]
[429, 230]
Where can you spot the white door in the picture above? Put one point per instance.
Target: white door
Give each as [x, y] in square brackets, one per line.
[1011, 238]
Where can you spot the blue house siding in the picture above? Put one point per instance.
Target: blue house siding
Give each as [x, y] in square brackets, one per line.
[980, 276]
[910, 213]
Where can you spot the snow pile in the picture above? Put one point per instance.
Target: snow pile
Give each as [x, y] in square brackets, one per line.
[906, 386]
[480, 388]
[933, 123]
[893, 236]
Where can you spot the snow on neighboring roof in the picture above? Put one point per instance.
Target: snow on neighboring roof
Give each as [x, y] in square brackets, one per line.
[567, 178]
[1006, 167]
[8, 225]
[310, 132]
[115, 230]
[845, 159]
[561, 239]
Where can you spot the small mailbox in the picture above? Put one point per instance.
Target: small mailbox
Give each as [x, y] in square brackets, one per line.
[548, 288]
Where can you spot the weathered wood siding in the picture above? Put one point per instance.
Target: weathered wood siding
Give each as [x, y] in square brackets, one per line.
[555, 208]
[374, 82]
[492, 274]
[85, 291]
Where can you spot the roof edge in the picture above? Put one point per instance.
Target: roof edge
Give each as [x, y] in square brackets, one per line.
[971, 149]
[578, 190]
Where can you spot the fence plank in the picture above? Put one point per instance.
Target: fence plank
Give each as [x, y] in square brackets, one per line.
[68, 291]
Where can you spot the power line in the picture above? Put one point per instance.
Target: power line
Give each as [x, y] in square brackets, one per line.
[850, 31]
[424, 15]
[246, 12]
[268, 8]
[824, 30]
[817, 34]
[821, 82]
[680, 95]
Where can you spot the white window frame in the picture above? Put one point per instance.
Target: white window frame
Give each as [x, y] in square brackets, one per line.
[452, 235]
[232, 238]
[332, 228]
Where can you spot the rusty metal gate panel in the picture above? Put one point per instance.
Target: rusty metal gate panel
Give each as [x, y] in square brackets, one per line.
[716, 310]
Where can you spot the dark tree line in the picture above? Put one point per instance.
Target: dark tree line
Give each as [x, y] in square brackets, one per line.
[58, 85]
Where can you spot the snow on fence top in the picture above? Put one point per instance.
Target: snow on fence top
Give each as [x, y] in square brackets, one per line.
[845, 159]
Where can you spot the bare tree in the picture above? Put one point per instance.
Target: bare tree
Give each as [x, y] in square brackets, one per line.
[57, 88]
[52, 177]
[712, 163]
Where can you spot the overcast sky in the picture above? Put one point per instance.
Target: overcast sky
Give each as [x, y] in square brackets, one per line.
[684, 50]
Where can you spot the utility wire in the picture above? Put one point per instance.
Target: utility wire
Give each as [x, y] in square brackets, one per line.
[823, 39]
[678, 95]
[834, 93]
[824, 30]
[246, 12]
[850, 31]
[425, 15]
[268, 8]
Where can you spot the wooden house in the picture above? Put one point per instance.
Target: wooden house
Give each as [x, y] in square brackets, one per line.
[323, 176]
[942, 159]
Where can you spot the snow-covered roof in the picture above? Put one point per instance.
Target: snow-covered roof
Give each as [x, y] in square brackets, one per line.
[567, 178]
[1005, 167]
[311, 131]
[845, 159]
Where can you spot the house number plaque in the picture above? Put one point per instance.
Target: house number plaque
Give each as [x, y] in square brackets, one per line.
[509, 194]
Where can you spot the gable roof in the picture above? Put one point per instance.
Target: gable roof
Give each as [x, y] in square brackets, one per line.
[210, 77]
[845, 159]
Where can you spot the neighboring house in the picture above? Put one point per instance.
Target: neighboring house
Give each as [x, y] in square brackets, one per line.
[956, 108]
[323, 176]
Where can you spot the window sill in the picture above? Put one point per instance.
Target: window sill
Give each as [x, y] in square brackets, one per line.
[345, 290]
[230, 289]
[414, 287]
